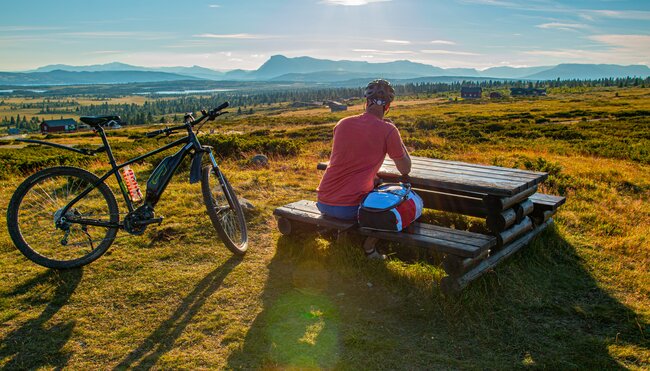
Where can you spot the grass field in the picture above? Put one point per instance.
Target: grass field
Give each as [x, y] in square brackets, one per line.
[577, 298]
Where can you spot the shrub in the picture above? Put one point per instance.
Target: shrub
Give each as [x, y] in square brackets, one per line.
[235, 145]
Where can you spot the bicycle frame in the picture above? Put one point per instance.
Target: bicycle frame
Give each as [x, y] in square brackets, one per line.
[189, 143]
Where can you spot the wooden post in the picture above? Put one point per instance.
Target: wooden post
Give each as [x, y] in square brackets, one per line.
[517, 230]
[523, 209]
[451, 285]
[284, 225]
[539, 219]
[455, 265]
[501, 221]
[502, 203]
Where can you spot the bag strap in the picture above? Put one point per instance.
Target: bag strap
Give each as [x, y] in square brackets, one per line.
[403, 197]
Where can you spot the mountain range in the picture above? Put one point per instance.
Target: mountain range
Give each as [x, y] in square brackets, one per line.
[310, 70]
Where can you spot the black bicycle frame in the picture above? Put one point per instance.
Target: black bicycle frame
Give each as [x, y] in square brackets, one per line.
[190, 142]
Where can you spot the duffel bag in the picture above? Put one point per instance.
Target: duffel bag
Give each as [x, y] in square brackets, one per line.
[390, 207]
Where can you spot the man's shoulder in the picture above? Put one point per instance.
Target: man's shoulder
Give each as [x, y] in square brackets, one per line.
[352, 118]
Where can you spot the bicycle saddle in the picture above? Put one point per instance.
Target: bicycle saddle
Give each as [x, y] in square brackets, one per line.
[96, 121]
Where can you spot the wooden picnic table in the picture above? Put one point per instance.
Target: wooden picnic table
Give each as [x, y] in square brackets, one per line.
[506, 198]
[461, 177]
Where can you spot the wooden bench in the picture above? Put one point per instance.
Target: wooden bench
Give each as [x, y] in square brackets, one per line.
[505, 198]
[544, 206]
[446, 240]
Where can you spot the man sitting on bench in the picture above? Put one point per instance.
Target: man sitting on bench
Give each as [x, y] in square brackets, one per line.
[359, 147]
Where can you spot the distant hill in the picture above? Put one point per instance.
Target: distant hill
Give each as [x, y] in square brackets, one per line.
[279, 65]
[60, 77]
[194, 71]
[590, 71]
[311, 70]
[513, 72]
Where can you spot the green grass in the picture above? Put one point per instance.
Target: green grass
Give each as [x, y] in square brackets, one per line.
[576, 298]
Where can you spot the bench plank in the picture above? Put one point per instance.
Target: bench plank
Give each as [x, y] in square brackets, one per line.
[546, 202]
[306, 212]
[441, 239]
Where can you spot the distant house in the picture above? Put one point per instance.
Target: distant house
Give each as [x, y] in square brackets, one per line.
[54, 126]
[496, 95]
[336, 106]
[527, 92]
[471, 92]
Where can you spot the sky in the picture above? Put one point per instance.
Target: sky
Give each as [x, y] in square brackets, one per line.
[231, 34]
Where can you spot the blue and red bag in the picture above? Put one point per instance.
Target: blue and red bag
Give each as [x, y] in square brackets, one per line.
[390, 207]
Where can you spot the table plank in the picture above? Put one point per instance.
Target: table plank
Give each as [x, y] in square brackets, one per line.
[459, 176]
[434, 161]
[494, 171]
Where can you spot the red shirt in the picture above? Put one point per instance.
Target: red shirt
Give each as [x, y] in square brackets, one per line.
[359, 147]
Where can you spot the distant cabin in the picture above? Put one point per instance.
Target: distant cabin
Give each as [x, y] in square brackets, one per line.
[336, 106]
[527, 92]
[55, 126]
[471, 92]
[496, 95]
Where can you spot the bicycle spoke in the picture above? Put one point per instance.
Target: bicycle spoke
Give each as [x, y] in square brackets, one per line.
[66, 240]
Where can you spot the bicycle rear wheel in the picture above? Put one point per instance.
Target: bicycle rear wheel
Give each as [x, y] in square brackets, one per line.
[224, 210]
[37, 204]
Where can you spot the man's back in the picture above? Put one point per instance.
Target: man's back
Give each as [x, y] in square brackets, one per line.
[359, 148]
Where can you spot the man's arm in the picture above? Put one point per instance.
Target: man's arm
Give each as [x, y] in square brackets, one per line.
[404, 164]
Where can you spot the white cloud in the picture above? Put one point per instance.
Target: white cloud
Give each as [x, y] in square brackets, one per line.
[27, 28]
[445, 52]
[562, 26]
[353, 2]
[383, 52]
[618, 49]
[548, 6]
[640, 43]
[490, 2]
[214, 6]
[402, 42]
[107, 52]
[118, 35]
[619, 14]
[443, 42]
[231, 36]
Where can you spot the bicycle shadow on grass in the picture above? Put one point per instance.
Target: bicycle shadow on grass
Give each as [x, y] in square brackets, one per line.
[163, 338]
[540, 308]
[35, 345]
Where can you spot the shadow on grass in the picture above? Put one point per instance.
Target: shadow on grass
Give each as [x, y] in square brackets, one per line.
[35, 345]
[163, 338]
[539, 309]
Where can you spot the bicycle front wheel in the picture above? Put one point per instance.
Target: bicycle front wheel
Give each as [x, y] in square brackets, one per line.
[224, 210]
[36, 206]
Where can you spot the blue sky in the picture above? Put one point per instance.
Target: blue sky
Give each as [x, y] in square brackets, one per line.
[229, 34]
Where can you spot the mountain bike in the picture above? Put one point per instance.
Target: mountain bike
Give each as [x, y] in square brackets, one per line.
[66, 217]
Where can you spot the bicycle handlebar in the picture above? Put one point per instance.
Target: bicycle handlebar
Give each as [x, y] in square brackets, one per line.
[210, 115]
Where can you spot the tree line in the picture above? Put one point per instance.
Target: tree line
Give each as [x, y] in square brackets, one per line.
[157, 110]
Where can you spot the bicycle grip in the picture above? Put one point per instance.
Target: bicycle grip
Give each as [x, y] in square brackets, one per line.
[222, 106]
[154, 133]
